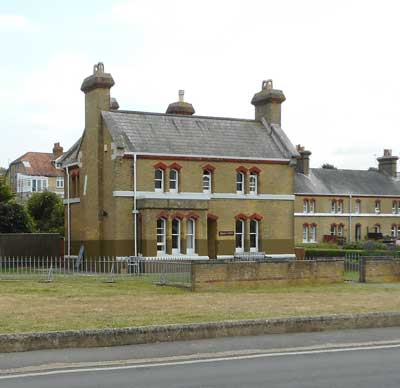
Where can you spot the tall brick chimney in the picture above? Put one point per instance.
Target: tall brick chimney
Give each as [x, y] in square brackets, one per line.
[57, 150]
[388, 163]
[268, 103]
[303, 161]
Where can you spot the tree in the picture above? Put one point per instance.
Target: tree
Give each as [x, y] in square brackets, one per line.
[329, 166]
[47, 212]
[14, 218]
[3, 171]
[5, 192]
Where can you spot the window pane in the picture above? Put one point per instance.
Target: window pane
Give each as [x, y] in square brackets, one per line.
[207, 180]
[190, 227]
[175, 242]
[253, 226]
[253, 241]
[253, 183]
[175, 226]
[239, 181]
[173, 179]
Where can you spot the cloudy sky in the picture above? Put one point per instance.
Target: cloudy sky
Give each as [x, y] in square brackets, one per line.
[337, 62]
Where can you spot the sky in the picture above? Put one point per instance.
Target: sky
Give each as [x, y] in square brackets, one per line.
[338, 63]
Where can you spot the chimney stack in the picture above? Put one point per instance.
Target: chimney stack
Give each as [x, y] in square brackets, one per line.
[181, 107]
[388, 164]
[57, 151]
[303, 161]
[268, 102]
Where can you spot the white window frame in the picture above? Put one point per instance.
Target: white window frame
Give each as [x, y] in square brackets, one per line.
[240, 180]
[59, 182]
[207, 181]
[312, 236]
[339, 207]
[311, 206]
[191, 237]
[333, 230]
[395, 207]
[305, 233]
[175, 180]
[253, 183]
[177, 249]
[159, 189]
[255, 234]
[357, 207]
[239, 248]
[377, 228]
[378, 207]
[340, 230]
[358, 237]
[306, 206]
[161, 232]
[394, 231]
[333, 206]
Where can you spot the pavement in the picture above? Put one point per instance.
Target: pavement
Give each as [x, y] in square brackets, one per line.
[354, 358]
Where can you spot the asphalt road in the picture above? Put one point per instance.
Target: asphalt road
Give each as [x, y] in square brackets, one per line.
[353, 358]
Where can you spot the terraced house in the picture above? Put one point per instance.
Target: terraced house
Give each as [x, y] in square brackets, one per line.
[349, 205]
[166, 184]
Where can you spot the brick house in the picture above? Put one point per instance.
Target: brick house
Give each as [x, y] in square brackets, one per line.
[36, 172]
[351, 205]
[159, 184]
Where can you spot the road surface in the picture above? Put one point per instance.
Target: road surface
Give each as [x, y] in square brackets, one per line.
[353, 358]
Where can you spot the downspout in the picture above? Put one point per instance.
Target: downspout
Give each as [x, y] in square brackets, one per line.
[68, 215]
[135, 212]
[350, 219]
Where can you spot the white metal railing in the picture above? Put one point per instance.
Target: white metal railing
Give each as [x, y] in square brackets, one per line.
[164, 270]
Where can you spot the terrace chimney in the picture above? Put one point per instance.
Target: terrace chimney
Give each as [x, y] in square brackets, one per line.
[303, 161]
[388, 164]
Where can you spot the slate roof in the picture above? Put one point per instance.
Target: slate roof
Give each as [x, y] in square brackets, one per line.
[71, 156]
[169, 134]
[336, 182]
[38, 164]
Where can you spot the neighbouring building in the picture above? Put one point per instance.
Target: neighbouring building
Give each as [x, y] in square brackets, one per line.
[347, 205]
[161, 184]
[36, 172]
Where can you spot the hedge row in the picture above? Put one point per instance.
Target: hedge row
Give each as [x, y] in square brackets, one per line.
[310, 253]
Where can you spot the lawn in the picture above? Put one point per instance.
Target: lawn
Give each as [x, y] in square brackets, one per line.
[86, 303]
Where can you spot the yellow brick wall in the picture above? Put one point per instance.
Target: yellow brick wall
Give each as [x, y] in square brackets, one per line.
[323, 205]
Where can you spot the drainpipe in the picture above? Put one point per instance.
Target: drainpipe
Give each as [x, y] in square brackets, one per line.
[350, 219]
[135, 212]
[68, 215]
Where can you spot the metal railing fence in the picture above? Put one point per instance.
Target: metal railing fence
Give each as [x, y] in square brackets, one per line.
[164, 271]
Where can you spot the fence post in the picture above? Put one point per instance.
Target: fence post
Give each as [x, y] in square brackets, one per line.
[362, 261]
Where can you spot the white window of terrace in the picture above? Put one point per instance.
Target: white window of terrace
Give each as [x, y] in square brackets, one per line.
[239, 234]
[254, 226]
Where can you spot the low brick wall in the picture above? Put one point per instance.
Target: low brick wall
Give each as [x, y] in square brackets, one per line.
[206, 274]
[382, 270]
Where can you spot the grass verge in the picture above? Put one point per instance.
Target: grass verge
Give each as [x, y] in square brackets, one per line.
[87, 303]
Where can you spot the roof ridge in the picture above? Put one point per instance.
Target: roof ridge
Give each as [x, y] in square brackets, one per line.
[182, 116]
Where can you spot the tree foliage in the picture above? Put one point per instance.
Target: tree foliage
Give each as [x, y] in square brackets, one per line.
[47, 212]
[5, 192]
[14, 218]
[329, 166]
[3, 171]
